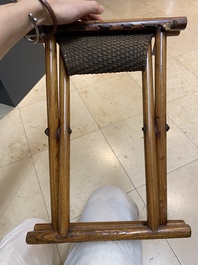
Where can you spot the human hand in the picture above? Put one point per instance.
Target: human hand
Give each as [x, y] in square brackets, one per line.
[68, 11]
[16, 24]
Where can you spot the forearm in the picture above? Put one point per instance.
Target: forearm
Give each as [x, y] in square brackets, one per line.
[15, 23]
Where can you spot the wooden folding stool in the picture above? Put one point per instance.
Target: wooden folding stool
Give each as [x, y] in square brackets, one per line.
[110, 46]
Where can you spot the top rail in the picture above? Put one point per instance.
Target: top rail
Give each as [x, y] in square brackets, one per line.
[168, 24]
[172, 25]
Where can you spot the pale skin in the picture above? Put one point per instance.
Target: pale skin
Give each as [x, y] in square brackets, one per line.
[15, 24]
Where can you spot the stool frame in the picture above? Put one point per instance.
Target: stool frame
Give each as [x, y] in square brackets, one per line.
[157, 226]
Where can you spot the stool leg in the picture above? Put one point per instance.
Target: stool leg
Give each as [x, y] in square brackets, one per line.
[160, 119]
[64, 151]
[52, 114]
[150, 146]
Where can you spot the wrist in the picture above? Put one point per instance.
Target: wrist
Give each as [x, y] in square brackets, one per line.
[37, 10]
[40, 15]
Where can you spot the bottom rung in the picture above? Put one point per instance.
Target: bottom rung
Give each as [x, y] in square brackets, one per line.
[107, 231]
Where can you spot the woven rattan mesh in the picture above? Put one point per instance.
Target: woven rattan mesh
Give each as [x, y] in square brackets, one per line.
[87, 54]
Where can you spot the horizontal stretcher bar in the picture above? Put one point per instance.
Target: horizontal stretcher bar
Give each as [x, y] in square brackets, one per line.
[106, 231]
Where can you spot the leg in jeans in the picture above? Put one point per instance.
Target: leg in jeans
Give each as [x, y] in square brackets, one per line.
[107, 204]
[15, 251]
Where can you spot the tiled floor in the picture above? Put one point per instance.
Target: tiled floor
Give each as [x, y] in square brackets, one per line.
[107, 141]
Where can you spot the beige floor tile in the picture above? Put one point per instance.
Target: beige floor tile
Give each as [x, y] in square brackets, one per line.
[113, 99]
[63, 250]
[190, 61]
[72, 87]
[13, 143]
[35, 126]
[187, 41]
[110, 3]
[142, 192]
[37, 93]
[93, 164]
[126, 140]
[191, 7]
[41, 162]
[137, 76]
[184, 113]
[194, 2]
[180, 81]
[108, 14]
[57, 259]
[20, 195]
[174, 8]
[158, 252]
[152, 14]
[180, 150]
[183, 197]
[81, 120]
[184, 8]
[192, 16]
[181, 201]
[128, 9]
[165, 4]
[80, 81]
[193, 22]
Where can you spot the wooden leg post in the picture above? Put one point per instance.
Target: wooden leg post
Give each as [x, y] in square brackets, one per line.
[160, 120]
[53, 124]
[150, 146]
[64, 151]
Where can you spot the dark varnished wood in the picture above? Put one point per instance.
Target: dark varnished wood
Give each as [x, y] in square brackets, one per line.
[167, 24]
[172, 25]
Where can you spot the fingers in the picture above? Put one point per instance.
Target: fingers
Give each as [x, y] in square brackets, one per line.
[91, 17]
[68, 11]
[94, 11]
[90, 9]
[97, 9]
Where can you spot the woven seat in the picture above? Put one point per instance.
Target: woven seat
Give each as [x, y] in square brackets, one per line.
[101, 47]
[94, 54]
